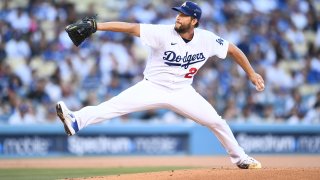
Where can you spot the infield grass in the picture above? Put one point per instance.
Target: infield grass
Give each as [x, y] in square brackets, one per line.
[62, 173]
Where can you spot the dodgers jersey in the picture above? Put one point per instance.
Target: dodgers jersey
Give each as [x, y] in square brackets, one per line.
[172, 62]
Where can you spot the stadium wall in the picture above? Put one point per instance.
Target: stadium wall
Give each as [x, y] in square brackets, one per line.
[154, 139]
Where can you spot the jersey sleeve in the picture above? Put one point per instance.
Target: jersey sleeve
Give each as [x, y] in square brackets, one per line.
[151, 35]
[220, 46]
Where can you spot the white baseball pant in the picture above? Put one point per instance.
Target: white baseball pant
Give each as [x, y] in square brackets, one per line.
[147, 95]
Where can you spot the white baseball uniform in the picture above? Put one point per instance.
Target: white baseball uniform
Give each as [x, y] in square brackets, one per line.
[169, 72]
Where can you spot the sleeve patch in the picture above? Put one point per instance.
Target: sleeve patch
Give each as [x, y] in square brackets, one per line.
[220, 41]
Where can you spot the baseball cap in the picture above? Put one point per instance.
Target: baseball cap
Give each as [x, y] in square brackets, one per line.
[190, 9]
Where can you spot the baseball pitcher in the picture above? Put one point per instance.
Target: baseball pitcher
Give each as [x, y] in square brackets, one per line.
[177, 53]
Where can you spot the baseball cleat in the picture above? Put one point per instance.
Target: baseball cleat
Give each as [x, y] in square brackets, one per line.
[249, 163]
[68, 119]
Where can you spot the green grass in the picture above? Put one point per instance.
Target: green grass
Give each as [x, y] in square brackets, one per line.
[43, 174]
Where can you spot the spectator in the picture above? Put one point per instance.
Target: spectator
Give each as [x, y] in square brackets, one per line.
[313, 114]
[3, 53]
[281, 38]
[247, 116]
[17, 47]
[231, 111]
[23, 114]
[48, 115]
[38, 93]
[19, 20]
[269, 115]
[69, 96]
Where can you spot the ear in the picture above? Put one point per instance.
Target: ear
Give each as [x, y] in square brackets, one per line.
[194, 21]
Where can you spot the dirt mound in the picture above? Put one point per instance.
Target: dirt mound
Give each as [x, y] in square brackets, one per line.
[222, 173]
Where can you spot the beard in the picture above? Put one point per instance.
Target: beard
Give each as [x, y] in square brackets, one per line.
[183, 28]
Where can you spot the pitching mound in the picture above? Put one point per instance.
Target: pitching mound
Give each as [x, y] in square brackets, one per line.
[223, 173]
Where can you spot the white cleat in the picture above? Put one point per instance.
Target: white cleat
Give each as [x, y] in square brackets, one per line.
[68, 119]
[249, 163]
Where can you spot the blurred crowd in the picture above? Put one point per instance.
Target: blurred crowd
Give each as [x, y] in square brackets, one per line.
[39, 65]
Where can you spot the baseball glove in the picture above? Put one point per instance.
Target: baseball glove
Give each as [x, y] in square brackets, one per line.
[82, 29]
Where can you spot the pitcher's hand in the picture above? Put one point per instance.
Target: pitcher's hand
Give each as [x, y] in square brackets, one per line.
[258, 81]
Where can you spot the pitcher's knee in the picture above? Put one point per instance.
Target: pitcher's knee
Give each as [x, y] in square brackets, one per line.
[215, 123]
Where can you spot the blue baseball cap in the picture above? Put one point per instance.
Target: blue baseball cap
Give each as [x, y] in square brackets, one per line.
[190, 9]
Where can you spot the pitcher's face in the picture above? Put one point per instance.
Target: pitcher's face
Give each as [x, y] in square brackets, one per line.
[184, 23]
